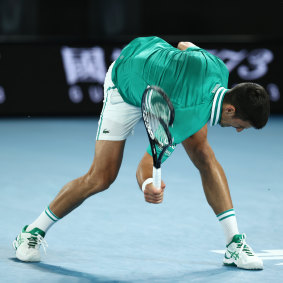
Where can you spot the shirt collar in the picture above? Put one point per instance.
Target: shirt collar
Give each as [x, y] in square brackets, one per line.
[216, 109]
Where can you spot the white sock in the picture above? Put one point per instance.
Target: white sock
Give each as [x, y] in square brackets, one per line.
[45, 220]
[229, 223]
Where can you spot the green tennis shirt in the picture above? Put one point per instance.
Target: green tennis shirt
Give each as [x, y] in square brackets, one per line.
[194, 80]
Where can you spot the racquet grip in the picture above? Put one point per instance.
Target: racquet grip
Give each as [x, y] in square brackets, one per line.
[156, 174]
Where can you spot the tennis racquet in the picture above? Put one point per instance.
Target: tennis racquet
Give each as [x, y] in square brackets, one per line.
[158, 114]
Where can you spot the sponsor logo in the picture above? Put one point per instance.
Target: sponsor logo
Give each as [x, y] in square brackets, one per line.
[234, 255]
[84, 66]
[249, 65]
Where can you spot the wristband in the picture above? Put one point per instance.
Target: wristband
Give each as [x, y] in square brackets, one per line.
[147, 181]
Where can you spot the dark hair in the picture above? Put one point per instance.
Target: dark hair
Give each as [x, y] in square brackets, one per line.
[251, 102]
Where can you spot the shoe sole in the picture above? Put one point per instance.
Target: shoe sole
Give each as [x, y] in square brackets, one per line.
[247, 268]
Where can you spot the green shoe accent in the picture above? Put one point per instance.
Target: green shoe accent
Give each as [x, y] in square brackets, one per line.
[237, 239]
[34, 231]
[28, 243]
[240, 254]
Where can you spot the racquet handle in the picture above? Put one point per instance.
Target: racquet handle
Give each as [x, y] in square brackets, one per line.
[156, 175]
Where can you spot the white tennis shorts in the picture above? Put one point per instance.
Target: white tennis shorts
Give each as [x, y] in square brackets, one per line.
[117, 118]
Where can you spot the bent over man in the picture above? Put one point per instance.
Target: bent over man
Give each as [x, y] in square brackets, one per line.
[196, 83]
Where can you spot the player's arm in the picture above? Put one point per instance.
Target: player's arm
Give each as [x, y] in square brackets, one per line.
[183, 45]
[144, 171]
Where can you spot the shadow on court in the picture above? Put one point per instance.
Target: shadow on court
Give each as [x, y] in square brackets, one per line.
[210, 275]
[54, 269]
[221, 274]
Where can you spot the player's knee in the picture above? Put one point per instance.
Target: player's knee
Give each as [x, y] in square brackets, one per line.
[203, 157]
[98, 181]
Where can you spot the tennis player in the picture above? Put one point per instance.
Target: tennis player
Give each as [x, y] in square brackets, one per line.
[196, 82]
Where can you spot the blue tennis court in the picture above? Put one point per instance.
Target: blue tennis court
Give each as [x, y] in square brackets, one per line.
[116, 236]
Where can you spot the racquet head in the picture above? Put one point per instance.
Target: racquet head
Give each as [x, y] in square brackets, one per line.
[158, 114]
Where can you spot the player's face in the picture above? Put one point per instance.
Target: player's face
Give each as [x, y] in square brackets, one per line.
[236, 123]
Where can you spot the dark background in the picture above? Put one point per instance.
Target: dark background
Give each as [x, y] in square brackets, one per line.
[33, 77]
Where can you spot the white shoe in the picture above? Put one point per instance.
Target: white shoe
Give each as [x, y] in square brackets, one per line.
[239, 254]
[27, 244]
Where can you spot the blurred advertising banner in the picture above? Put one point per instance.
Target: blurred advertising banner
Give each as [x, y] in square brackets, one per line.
[64, 79]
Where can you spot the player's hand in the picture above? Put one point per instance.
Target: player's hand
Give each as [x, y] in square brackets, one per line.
[183, 45]
[153, 194]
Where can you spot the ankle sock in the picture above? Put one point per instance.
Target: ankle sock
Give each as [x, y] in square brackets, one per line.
[229, 224]
[45, 220]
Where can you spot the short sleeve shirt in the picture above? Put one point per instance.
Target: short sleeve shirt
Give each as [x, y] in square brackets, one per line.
[191, 79]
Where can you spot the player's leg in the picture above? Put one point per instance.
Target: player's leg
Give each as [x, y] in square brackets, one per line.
[103, 171]
[217, 192]
[214, 181]
[116, 123]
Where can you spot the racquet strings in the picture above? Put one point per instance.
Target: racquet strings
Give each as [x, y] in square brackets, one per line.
[158, 109]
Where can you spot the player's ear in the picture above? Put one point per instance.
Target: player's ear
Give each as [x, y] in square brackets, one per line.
[229, 109]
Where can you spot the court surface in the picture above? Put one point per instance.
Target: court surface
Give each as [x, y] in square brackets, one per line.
[115, 236]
